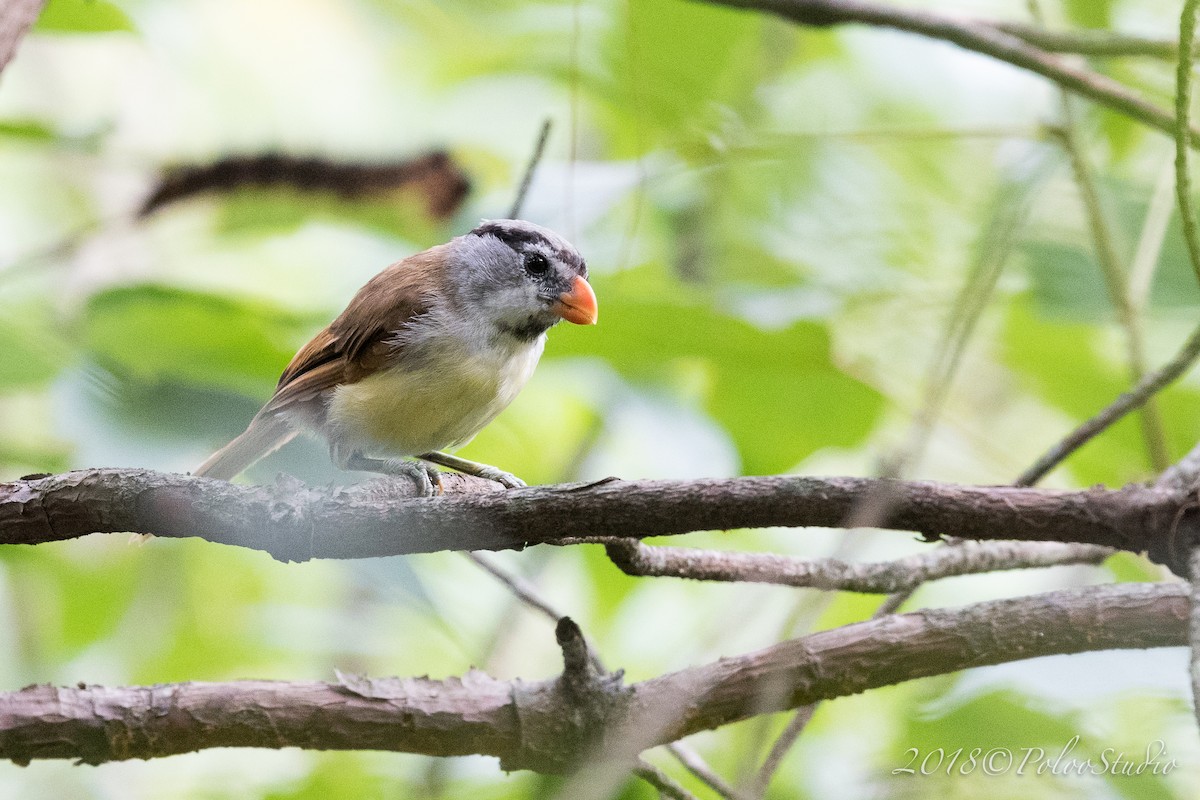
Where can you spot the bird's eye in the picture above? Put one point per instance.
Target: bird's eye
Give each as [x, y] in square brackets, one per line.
[536, 264]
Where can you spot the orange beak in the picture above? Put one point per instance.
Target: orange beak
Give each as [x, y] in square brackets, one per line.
[579, 304]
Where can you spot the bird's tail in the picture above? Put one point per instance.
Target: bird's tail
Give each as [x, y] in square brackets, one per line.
[266, 434]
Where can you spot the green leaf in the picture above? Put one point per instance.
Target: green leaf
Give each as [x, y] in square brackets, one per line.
[953, 747]
[999, 718]
[82, 16]
[83, 601]
[26, 129]
[31, 353]
[157, 333]
[1130, 568]
[778, 393]
[1067, 281]
[672, 66]
[1089, 13]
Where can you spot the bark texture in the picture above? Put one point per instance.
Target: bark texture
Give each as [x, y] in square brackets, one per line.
[294, 522]
[558, 725]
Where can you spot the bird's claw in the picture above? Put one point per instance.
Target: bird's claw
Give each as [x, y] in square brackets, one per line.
[427, 477]
[506, 479]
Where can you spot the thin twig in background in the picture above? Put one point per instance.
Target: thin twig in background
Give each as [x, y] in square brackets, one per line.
[1151, 238]
[1183, 193]
[535, 158]
[902, 574]
[528, 594]
[520, 587]
[1090, 42]
[1115, 280]
[1183, 113]
[779, 750]
[977, 36]
[993, 253]
[1190, 351]
[703, 772]
[1125, 403]
[997, 244]
[664, 783]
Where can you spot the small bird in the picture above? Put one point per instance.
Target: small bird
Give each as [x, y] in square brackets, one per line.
[425, 355]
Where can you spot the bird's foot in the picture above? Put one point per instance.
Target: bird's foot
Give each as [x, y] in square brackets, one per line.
[467, 467]
[507, 479]
[427, 478]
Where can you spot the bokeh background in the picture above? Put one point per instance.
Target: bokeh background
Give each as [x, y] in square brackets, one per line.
[782, 225]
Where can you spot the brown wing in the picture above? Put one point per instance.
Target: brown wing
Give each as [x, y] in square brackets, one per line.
[355, 344]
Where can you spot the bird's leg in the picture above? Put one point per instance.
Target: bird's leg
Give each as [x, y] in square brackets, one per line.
[474, 468]
[426, 477]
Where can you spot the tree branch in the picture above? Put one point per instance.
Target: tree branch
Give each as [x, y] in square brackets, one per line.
[294, 522]
[903, 574]
[529, 725]
[1089, 42]
[978, 36]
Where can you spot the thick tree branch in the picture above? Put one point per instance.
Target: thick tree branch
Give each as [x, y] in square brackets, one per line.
[978, 36]
[294, 522]
[536, 725]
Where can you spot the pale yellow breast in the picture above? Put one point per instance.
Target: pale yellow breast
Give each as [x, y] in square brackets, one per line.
[442, 404]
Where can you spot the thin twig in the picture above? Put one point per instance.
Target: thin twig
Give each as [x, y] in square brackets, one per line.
[696, 765]
[539, 150]
[1150, 241]
[642, 560]
[1183, 106]
[664, 783]
[523, 589]
[528, 594]
[1150, 384]
[1090, 43]
[774, 759]
[979, 37]
[992, 255]
[1127, 402]
[1115, 280]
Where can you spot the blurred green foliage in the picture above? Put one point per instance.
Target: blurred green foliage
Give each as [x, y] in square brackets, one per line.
[779, 224]
[82, 16]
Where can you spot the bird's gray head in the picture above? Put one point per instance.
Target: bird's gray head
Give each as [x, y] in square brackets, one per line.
[523, 277]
